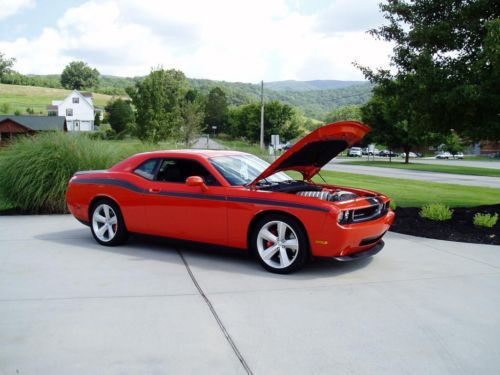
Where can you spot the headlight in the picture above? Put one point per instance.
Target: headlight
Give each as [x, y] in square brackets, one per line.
[343, 217]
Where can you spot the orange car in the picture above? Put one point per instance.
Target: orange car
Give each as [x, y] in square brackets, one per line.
[237, 200]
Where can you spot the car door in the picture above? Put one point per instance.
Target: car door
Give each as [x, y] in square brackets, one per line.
[176, 210]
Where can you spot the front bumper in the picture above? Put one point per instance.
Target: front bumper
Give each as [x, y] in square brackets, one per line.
[362, 254]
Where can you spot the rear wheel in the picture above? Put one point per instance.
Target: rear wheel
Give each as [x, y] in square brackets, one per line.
[280, 243]
[108, 227]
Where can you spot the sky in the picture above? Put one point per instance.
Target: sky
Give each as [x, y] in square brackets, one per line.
[231, 40]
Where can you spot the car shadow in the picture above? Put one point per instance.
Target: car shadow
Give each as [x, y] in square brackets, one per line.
[210, 257]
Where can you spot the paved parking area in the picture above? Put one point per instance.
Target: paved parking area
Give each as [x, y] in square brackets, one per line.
[68, 305]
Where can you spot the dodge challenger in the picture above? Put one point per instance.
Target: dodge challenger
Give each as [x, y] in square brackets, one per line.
[237, 200]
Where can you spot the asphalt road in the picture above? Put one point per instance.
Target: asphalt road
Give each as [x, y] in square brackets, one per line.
[204, 143]
[448, 178]
[68, 305]
[464, 163]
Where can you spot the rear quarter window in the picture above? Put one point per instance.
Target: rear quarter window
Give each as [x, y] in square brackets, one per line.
[147, 169]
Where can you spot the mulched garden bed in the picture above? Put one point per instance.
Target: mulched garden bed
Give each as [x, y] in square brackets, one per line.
[459, 228]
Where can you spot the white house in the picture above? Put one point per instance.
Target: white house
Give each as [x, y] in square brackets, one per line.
[79, 110]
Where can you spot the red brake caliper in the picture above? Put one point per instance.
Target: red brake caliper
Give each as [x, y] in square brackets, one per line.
[270, 243]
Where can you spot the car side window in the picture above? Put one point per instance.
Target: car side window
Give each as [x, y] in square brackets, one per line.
[178, 170]
[147, 169]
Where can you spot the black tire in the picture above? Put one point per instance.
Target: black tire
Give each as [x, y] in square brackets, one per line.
[293, 235]
[116, 230]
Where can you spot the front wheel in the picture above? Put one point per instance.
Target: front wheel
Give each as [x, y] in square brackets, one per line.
[108, 227]
[280, 243]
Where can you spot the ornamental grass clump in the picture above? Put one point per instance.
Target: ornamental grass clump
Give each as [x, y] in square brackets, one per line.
[34, 171]
[485, 220]
[436, 211]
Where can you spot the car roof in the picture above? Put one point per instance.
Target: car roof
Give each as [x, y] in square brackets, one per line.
[190, 152]
[130, 163]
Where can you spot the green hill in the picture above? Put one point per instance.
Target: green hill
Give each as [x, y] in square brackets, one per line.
[314, 103]
[314, 98]
[292, 85]
[22, 97]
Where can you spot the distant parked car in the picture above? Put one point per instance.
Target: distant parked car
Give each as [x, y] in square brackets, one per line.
[387, 153]
[458, 155]
[355, 151]
[444, 155]
[411, 155]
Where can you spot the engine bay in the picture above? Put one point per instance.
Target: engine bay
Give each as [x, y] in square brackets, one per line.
[307, 189]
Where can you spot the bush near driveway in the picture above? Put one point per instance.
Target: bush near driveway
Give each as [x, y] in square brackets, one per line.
[436, 211]
[485, 220]
[34, 171]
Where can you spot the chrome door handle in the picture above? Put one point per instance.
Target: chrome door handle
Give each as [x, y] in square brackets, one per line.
[154, 190]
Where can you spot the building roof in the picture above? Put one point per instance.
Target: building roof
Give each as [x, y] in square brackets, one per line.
[86, 94]
[38, 123]
[49, 107]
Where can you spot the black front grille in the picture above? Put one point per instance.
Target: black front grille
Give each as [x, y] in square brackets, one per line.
[377, 209]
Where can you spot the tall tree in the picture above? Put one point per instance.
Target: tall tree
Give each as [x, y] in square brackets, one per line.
[192, 115]
[120, 115]
[446, 60]
[158, 100]
[77, 75]
[279, 118]
[5, 65]
[390, 116]
[216, 109]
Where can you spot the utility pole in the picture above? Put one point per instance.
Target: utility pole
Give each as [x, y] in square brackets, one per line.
[262, 115]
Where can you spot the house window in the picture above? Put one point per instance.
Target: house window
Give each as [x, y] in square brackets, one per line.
[76, 100]
[69, 111]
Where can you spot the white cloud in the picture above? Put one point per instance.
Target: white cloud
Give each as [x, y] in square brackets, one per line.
[220, 39]
[9, 8]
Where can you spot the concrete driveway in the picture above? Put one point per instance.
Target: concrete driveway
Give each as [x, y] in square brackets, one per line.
[68, 305]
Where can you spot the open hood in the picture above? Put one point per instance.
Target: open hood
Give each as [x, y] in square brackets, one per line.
[316, 149]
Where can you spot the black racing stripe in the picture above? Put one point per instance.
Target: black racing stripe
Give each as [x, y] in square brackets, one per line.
[108, 181]
[137, 189]
[191, 195]
[277, 203]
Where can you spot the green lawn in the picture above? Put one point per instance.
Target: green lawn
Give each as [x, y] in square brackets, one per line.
[457, 169]
[412, 193]
[22, 97]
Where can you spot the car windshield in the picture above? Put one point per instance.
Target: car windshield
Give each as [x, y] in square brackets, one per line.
[243, 169]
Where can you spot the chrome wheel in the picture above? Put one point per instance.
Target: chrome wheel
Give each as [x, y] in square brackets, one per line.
[277, 244]
[104, 222]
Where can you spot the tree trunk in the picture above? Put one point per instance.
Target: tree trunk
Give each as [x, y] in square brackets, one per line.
[407, 154]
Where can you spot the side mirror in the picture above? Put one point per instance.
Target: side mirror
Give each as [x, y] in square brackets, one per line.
[197, 181]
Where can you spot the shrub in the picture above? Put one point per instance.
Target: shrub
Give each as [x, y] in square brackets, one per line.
[485, 220]
[34, 171]
[436, 211]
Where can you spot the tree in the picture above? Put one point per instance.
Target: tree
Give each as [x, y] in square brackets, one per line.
[5, 65]
[446, 61]
[389, 113]
[216, 109]
[157, 100]
[120, 115]
[5, 108]
[192, 115]
[281, 119]
[97, 119]
[77, 75]
[453, 143]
